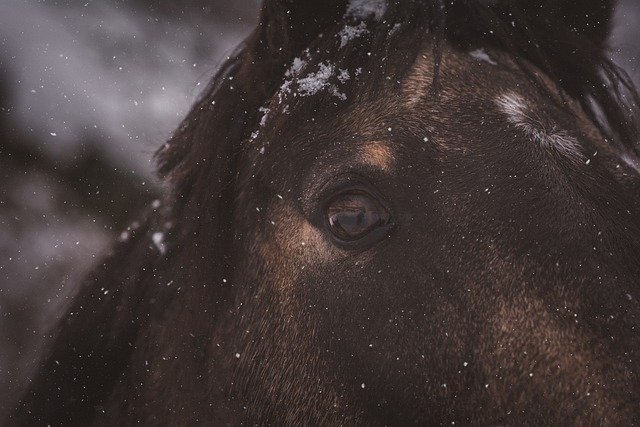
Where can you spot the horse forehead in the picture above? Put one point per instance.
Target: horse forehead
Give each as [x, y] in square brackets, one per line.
[454, 69]
[415, 85]
[494, 82]
[377, 154]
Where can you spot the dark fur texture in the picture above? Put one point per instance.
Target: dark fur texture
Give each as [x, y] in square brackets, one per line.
[507, 293]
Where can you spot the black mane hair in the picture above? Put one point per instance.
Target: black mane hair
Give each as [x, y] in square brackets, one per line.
[95, 341]
[567, 40]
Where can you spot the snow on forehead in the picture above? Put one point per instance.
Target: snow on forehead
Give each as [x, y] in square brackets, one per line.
[302, 82]
[296, 66]
[315, 82]
[349, 33]
[363, 9]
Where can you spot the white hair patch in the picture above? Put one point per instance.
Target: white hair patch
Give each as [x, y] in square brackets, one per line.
[481, 55]
[631, 162]
[549, 137]
[363, 9]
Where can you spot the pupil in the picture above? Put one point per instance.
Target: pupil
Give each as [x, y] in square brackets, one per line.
[353, 216]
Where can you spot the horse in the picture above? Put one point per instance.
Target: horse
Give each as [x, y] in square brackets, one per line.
[379, 212]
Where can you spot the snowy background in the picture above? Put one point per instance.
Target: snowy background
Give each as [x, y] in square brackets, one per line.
[88, 91]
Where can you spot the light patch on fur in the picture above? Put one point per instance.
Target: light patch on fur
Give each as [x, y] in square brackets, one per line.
[158, 241]
[525, 119]
[302, 243]
[481, 55]
[564, 347]
[378, 155]
[418, 80]
[364, 9]
[295, 236]
[633, 163]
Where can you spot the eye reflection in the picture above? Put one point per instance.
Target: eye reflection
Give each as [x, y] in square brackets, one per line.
[351, 216]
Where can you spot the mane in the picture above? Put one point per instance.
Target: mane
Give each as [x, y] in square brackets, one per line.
[570, 50]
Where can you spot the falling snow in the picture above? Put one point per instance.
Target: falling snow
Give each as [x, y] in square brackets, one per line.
[158, 241]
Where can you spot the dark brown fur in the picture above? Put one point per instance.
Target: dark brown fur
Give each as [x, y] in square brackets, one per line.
[507, 292]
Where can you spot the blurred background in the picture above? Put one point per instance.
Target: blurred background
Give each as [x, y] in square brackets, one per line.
[88, 91]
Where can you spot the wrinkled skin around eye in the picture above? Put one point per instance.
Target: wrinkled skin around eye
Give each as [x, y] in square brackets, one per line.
[352, 216]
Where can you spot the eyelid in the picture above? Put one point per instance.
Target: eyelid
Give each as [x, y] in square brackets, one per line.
[345, 183]
[326, 176]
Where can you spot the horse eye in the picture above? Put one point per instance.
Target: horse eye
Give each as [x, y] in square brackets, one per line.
[351, 216]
